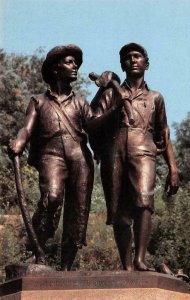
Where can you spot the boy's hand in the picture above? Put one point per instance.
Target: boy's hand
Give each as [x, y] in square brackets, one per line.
[172, 183]
[15, 147]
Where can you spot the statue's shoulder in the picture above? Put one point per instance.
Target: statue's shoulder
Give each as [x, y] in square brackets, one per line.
[39, 100]
[80, 101]
[156, 96]
[155, 93]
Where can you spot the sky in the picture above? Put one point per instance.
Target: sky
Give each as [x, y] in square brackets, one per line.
[101, 28]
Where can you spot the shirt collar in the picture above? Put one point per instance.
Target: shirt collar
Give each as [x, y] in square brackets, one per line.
[144, 85]
[54, 96]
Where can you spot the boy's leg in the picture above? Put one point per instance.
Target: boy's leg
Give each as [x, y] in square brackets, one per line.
[52, 176]
[123, 238]
[142, 231]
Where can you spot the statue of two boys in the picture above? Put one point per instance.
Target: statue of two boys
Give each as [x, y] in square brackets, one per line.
[57, 124]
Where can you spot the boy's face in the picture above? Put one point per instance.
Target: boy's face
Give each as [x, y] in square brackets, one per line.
[68, 68]
[134, 64]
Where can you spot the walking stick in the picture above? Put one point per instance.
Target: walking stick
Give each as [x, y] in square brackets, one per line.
[38, 251]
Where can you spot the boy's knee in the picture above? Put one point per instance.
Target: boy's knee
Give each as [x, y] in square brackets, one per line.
[54, 200]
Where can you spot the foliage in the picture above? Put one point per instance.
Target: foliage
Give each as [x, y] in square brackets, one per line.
[19, 78]
[81, 86]
[11, 246]
[183, 148]
[171, 230]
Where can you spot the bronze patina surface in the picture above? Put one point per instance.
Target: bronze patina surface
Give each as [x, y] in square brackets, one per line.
[127, 147]
[55, 125]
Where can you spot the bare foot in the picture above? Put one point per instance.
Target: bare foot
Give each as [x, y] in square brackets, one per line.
[140, 266]
[128, 269]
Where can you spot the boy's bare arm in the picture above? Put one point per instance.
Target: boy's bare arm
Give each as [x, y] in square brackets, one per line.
[17, 145]
[172, 180]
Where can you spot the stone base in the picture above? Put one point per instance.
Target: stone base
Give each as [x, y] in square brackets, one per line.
[95, 285]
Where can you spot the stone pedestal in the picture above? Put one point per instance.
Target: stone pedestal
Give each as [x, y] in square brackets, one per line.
[95, 285]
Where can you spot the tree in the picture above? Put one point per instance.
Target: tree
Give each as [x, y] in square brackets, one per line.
[19, 78]
[182, 145]
[170, 241]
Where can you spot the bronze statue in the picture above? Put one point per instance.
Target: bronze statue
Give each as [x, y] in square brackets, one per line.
[127, 145]
[55, 125]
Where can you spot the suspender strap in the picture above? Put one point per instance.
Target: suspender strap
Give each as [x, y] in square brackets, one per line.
[64, 118]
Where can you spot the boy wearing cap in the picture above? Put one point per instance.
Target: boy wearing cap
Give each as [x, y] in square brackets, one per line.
[128, 152]
[55, 124]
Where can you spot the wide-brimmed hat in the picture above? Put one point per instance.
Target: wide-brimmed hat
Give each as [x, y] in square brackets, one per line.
[133, 46]
[55, 54]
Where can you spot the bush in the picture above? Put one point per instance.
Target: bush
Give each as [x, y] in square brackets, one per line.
[171, 230]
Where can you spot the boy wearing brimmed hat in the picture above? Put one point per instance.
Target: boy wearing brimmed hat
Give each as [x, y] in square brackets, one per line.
[55, 125]
[128, 152]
